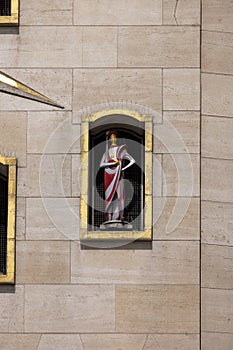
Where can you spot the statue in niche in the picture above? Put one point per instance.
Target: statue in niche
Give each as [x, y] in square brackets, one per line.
[112, 162]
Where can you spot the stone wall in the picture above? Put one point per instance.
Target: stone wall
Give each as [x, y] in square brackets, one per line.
[217, 170]
[83, 53]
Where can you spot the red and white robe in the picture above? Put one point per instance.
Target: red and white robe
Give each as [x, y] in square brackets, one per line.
[113, 186]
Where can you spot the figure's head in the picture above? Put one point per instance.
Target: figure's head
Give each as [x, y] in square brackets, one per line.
[112, 135]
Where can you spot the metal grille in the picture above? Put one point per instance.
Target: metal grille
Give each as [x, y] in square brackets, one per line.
[3, 224]
[133, 212]
[5, 7]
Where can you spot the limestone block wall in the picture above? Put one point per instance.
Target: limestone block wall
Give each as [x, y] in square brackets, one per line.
[84, 53]
[217, 169]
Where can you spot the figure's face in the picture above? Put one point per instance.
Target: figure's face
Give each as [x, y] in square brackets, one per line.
[113, 138]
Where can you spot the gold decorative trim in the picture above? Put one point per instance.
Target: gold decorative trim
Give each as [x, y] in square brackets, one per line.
[12, 20]
[13, 86]
[10, 276]
[85, 234]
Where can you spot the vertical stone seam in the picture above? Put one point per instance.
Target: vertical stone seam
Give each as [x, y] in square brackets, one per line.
[200, 170]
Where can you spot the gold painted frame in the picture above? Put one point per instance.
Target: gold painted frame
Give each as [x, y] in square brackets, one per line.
[12, 20]
[10, 276]
[86, 235]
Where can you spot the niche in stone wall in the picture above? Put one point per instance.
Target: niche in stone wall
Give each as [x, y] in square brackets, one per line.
[116, 184]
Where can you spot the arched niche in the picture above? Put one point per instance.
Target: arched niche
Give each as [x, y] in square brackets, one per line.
[134, 130]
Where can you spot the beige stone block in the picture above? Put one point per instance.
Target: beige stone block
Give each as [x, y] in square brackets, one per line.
[166, 262]
[217, 180]
[157, 175]
[181, 89]
[46, 13]
[179, 133]
[69, 309]
[216, 264]
[176, 218]
[12, 310]
[19, 341]
[217, 311]
[172, 342]
[181, 173]
[13, 126]
[217, 223]
[43, 262]
[52, 219]
[217, 15]
[181, 12]
[20, 218]
[157, 308]
[158, 47]
[43, 46]
[217, 141]
[217, 91]
[76, 175]
[93, 87]
[113, 341]
[217, 52]
[135, 12]
[60, 342]
[99, 47]
[56, 84]
[45, 175]
[217, 341]
[52, 132]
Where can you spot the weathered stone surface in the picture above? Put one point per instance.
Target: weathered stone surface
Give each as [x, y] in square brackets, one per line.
[43, 46]
[217, 141]
[52, 219]
[181, 12]
[19, 341]
[91, 12]
[113, 341]
[157, 175]
[93, 87]
[187, 209]
[217, 52]
[216, 89]
[217, 341]
[167, 262]
[20, 218]
[216, 180]
[65, 309]
[217, 15]
[43, 262]
[46, 13]
[52, 132]
[158, 47]
[217, 312]
[179, 133]
[56, 84]
[181, 89]
[12, 310]
[172, 342]
[13, 126]
[216, 264]
[99, 47]
[46, 175]
[217, 223]
[76, 175]
[182, 174]
[60, 342]
[157, 308]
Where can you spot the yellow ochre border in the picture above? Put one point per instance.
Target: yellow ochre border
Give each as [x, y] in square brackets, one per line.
[86, 235]
[12, 20]
[10, 276]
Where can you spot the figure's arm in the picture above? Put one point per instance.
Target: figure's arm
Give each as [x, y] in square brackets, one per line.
[104, 164]
[131, 160]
